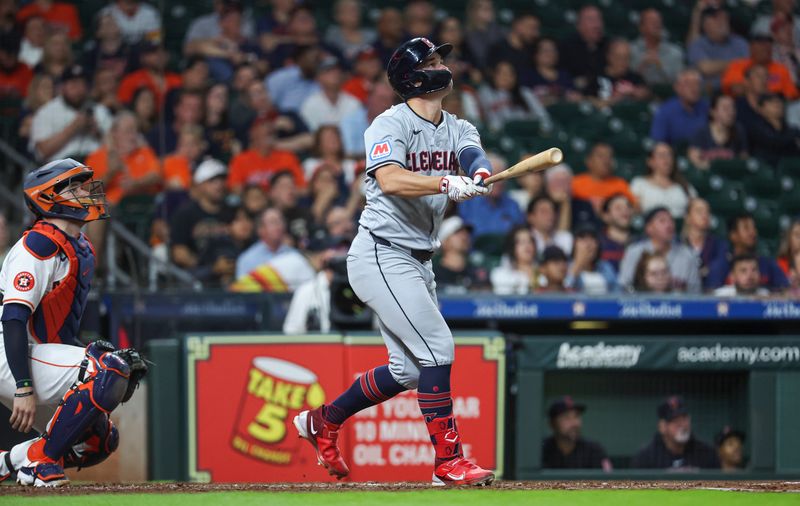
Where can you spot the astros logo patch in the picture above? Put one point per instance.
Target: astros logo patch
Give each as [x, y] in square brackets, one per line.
[23, 281]
[380, 150]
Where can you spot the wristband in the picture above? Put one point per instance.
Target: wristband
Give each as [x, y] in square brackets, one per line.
[24, 383]
[444, 185]
[23, 394]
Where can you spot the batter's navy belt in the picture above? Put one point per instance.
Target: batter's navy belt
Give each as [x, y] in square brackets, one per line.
[420, 255]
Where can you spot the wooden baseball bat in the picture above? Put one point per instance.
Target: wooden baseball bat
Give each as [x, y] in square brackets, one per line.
[536, 163]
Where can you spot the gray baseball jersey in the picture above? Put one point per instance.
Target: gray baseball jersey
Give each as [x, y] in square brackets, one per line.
[399, 136]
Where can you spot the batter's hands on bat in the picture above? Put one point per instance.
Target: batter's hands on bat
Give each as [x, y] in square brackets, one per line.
[480, 175]
[24, 409]
[460, 188]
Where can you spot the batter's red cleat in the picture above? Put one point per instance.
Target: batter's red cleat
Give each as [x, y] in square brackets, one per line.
[460, 471]
[322, 434]
[451, 468]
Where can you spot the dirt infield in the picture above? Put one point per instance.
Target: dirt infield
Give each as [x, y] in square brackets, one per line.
[161, 488]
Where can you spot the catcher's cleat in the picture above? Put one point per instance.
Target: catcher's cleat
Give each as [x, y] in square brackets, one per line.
[42, 474]
[460, 471]
[322, 435]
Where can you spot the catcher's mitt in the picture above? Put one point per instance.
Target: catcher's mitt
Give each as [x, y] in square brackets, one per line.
[138, 367]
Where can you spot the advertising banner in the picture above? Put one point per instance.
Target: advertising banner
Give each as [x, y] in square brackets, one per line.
[244, 392]
[661, 353]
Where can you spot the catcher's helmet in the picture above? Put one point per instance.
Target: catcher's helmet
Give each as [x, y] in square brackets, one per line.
[409, 81]
[45, 196]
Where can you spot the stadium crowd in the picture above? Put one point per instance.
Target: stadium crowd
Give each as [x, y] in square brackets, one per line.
[245, 143]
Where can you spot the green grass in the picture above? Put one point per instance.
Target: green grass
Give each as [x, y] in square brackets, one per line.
[438, 497]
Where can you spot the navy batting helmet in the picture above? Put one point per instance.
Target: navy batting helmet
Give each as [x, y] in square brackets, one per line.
[405, 76]
[83, 200]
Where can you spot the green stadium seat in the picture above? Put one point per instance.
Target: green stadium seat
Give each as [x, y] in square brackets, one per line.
[734, 169]
[489, 244]
[767, 217]
[789, 167]
[521, 129]
[136, 213]
[763, 185]
[699, 179]
[725, 197]
[633, 112]
[789, 200]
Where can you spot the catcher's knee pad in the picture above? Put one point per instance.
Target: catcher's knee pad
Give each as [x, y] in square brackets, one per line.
[99, 441]
[100, 387]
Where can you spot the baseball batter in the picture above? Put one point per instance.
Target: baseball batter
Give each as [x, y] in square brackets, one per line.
[414, 153]
[49, 381]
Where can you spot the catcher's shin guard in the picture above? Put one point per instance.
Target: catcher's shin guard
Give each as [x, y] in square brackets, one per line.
[97, 443]
[100, 388]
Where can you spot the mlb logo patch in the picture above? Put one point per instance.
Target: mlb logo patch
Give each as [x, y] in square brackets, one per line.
[380, 150]
[23, 281]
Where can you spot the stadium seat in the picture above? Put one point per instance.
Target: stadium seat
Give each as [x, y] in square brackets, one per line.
[489, 244]
[136, 213]
[699, 179]
[789, 199]
[725, 197]
[789, 167]
[763, 185]
[521, 129]
[737, 168]
[767, 218]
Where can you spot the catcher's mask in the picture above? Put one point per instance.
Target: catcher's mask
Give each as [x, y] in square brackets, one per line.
[65, 189]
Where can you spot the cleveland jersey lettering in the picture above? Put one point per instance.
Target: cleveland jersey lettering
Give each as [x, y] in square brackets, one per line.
[398, 136]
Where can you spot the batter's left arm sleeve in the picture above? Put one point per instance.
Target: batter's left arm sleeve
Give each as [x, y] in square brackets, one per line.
[473, 158]
[469, 140]
[15, 338]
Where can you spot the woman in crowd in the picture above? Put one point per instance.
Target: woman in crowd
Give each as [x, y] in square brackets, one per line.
[652, 274]
[587, 272]
[789, 250]
[57, 55]
[329, 150]
[697, 235]
[326, 190]
[222, 142]
[503, 99]
[550, 83]
[144, 108]
[517, 273]
[722, 138]
[663, 185]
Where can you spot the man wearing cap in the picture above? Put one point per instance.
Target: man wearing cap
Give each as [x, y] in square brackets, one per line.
[674, 446]
[329, 104]
[69, 125]
[730, 443]
[201, 222]
[566, 449]
[454, 273]
[716, 46]
[779, 80]
[659, 228]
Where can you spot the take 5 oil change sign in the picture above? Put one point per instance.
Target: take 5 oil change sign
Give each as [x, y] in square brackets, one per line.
[244, 391]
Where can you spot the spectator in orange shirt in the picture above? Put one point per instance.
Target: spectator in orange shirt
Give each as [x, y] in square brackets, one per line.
[261, 161]
[15, 76]
[153, 74]
[178, 166]
[779, 80]
[60, 16]
[600, 182]
[367, 68]
[126, 165]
